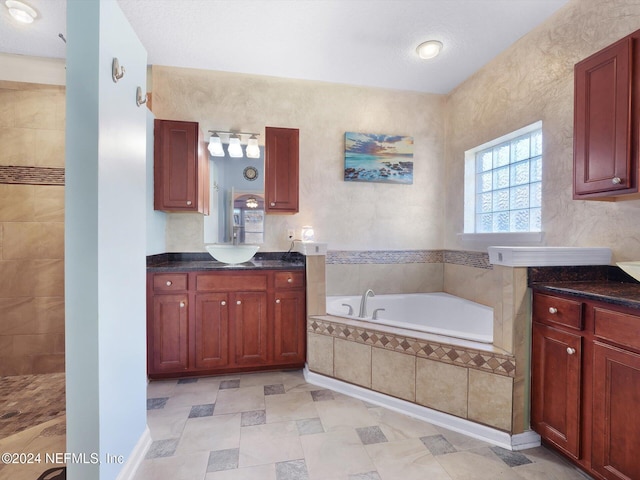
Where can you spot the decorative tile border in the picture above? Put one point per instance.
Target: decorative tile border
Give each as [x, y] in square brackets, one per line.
[31, 175]
[458, 257]
[499, 364]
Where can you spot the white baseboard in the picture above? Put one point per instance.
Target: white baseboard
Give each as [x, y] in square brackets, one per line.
[522, 441]
[130, 467]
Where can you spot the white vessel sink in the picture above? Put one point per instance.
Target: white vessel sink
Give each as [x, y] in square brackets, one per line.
[232, 254]
[549, 256]
[632, 268]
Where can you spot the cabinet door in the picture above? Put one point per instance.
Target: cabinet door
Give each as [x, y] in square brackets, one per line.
[169, 346]
[616, 423]
[181, 174]
[281, 170]
[289, 327]
[249, 318]
[555, 387]
[212, 331]
[602, 123]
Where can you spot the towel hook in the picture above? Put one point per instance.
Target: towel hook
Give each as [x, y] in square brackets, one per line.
[117, 72]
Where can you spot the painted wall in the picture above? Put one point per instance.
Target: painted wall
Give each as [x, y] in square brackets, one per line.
[105, 231]
[533, 80]
[346, 215]
[32, 119]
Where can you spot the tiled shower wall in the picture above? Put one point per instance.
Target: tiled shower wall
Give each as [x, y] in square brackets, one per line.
[32, 132]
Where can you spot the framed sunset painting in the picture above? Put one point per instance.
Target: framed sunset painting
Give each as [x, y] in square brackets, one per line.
[378, 158]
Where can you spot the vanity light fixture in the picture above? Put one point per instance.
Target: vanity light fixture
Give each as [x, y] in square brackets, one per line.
[235, 149]
[215, 146]
[21, 11]
[253, 150]
[429, 49]
[235, 144]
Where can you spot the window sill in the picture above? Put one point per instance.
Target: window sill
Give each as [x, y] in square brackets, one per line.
[482, 241]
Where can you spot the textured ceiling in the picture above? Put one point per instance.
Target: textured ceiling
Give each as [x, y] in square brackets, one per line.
[359, 42]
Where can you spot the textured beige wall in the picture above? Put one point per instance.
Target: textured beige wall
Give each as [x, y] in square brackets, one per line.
[533, 80]
[346, 215]
[32, 119]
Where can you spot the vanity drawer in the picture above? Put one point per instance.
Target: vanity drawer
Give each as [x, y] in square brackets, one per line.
[620, 328]
[220, 282]
[289, 280]
[561, 311]
[169, 282]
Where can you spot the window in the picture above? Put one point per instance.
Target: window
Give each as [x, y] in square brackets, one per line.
[503, 183]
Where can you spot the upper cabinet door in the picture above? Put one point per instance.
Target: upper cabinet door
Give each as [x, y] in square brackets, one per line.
[605, 150]
[181, 169]
[281, 170]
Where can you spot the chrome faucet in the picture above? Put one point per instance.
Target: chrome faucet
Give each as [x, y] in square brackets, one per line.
[363, 302]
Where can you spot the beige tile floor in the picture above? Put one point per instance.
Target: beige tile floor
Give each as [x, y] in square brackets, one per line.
[275, 426]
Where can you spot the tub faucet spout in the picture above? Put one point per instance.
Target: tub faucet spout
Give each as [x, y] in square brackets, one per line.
[363, 302]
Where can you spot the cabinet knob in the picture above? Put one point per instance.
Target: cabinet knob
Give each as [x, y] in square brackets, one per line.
[289, 280]
[273, 204]
[277, 300]
[553, 310]
[188, 202]
[571, 351]
[223, 303]
[616, 180]
[239, 302]
[169, 283]
[182, 304]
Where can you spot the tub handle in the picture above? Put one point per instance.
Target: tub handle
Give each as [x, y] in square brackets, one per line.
[375, 313]
[350, 312]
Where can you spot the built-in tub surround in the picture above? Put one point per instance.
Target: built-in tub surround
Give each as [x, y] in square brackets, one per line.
[465, 274]
[466, 379]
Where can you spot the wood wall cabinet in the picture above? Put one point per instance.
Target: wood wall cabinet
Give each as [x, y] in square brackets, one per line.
[181, 168]
[219, 322]
[585, 383]
[281, 170]
[606, 121]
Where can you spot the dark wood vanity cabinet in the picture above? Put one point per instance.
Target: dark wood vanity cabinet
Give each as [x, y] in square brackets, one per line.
[221, 322]
[181, 168]
[281, 166]
[606, 121]
[585, 382]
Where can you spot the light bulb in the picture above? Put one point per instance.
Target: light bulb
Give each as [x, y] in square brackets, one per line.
[429, 49]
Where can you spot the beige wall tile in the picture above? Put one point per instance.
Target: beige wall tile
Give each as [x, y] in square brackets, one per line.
[16, 203]
[7, 106]
[17, 279]
[475, 284]
[352, 362]
[39, 344]
[18, 146]
[17, 316]
[37, 109]
[30, 240]
[49, 278]
[393, 373]
[442, 386]
[50, 148]
[490, 399]
[320, 353]
[48, 203]
[316, 285]
[345, 279]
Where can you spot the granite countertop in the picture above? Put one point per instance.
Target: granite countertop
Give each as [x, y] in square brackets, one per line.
[604, 283]
[186, 262]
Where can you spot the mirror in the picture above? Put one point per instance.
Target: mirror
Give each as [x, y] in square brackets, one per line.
[234, 181]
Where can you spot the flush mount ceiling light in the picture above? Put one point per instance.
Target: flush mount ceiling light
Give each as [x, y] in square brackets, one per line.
[429, 49]
[21, 11]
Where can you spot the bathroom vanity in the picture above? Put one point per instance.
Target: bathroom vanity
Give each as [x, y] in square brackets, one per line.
[205, 317]
[585, 381]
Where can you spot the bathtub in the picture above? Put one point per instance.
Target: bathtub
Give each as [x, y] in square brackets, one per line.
[437, 313]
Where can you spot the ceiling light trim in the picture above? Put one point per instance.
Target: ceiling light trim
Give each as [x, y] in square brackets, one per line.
[21, 12]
